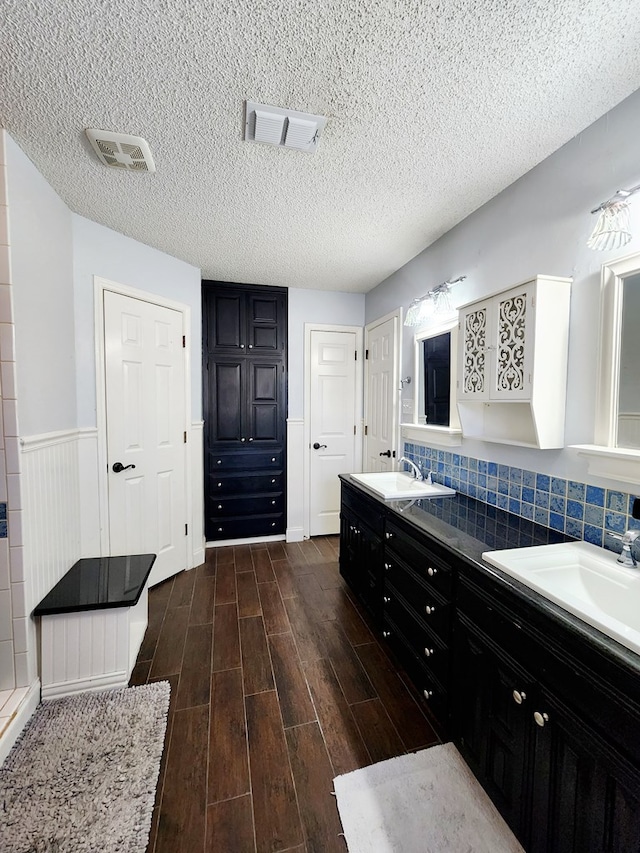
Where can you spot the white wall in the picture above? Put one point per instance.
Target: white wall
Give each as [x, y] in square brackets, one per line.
[100, 251]
[42, 270]
[315, 306]
[540, 224]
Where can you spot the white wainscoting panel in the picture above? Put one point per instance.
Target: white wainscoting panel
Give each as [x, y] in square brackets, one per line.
[90, 543]
[296, 489]
[51, 518]
[197, 492]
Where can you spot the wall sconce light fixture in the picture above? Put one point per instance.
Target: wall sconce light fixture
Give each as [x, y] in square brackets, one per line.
[612, 228]
[436, 301]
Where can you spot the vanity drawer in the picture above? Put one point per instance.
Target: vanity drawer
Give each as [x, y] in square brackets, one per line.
[423, 604]
[429, 689]
[430, 567]
[427, 646]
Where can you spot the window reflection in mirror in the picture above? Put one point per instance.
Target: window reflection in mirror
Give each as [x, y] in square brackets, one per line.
[435, 380]
[628, 415]
[435, 376]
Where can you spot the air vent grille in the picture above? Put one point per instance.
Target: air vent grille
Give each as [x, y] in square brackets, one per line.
[121, 150]
[282, 127]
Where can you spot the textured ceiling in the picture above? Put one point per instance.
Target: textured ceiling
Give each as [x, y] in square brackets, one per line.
[433, 108]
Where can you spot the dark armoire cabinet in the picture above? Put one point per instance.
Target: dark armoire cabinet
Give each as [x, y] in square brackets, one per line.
[245, 383]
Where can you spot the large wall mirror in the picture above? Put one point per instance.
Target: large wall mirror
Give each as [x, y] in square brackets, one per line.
[618, 403]
[435, 354]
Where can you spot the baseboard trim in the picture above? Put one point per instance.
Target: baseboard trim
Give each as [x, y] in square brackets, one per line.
[198, 557]
[86, 685]
[295, 534]
[20, 719]
[250, 540]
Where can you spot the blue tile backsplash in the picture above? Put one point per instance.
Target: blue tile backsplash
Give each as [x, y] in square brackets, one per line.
[3, 521]
[577, 509]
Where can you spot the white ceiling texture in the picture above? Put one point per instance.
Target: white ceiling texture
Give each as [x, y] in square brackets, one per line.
[433, 107]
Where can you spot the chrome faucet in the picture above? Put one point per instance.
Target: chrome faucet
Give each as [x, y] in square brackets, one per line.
[417, 473]
[626, 558]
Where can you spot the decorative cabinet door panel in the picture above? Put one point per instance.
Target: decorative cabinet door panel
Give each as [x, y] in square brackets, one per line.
[511, 349]
[474, 361]
[264, 323]
[225, 322]
[227, 386]
[496, 348]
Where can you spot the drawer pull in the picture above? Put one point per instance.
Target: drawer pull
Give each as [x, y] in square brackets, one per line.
[386, 634]
[243, 439]
[219, 506]
[273, 458]
[540, 719]
[250, 439]
[429, 609]
[388, 535]
[273, 503]
[219, 530]
[519, 696]
[428, 653]
[219, 484]
[386, 599]
[387, 566]
[273, 524]
[273, 481]
[427, 694]
[219, 461]
[431, 571]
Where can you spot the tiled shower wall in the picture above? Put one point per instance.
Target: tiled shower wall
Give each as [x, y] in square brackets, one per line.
[577, 509]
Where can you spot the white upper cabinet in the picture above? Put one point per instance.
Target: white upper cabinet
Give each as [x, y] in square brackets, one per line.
[512, 364]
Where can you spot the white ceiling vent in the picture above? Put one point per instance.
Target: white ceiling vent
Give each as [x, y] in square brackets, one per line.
[121, 150]
[285, 128]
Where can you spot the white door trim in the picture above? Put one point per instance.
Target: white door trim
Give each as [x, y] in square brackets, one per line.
[397, 315]
[357, 414]
[99, 286]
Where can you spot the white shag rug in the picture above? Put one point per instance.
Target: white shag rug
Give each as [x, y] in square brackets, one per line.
[426, 802]
[83, 774]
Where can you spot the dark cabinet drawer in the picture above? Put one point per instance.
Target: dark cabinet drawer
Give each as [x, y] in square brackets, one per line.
[225, 483]
[426, 605]
[258, 504]
[245, 460]
[430, 691]
[427, 646]
[243, 526]
[364, 508]
[432, 568]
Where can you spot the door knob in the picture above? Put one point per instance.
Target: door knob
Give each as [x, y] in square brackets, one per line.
[317, 446]
[386, 453]
[117, 467]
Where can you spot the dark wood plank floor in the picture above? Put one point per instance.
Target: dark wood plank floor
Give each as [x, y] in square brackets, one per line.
[277, 686]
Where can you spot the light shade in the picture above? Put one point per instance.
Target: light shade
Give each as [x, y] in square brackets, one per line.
[612, 228]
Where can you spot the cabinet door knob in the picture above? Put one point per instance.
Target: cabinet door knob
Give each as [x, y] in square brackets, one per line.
[519, 696]
[241, 346]
[386, 599]
[431, 571]
[428, 653]
[429, 609]
[387, 566]
[388, 535]
[427, 694]
[243, 439]
[250, 346]
[250, 439]
[386, 634]
[540, 719]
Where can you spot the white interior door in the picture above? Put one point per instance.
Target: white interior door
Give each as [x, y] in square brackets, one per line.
[332, 424]
[381, 397]
[145, 407]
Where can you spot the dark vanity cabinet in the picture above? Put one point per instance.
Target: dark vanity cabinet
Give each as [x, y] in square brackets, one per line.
[244, 349]
[362, 550]
[541, 720]
[418, 613]
[545, 711]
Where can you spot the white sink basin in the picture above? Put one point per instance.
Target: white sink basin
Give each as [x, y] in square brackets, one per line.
[396, 485]
[583, 579]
